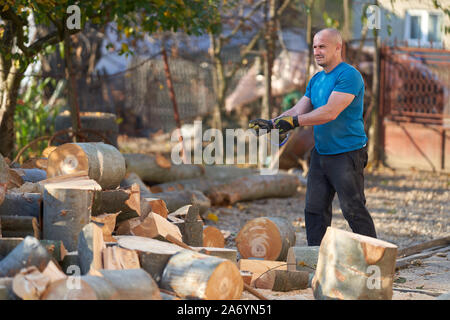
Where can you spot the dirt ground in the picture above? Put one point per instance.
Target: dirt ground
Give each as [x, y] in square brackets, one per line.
[408, 208]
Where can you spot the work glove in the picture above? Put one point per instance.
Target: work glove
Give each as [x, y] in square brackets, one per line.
[258, 124]
[285, 124]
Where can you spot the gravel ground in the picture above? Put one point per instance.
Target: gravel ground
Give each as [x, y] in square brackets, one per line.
[408, 207]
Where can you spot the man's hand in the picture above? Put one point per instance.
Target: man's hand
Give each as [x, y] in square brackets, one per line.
[285, 124]
[260, 124]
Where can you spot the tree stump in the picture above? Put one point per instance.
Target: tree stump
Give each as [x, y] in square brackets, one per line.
[194, 275]
[302, 258]
[268, 238]
[352, 266]
[67, 208]
[103, 162]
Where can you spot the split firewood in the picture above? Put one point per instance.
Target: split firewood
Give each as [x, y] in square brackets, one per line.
[153, 170]
[177, 199]
[104, 163]
[30, 283]
[302, 258]
[46, 152]
[19, 227]
[153, 254]
[353, 266]
[268, 238]
[224, 253]
[254, 187]
[116, 258]
[126, 201]
[258, 267]
[4, 178]
[246, 277]
[67, 208]
[107, 223]
[30, 175]
[188, 220]
[54, 247]
[35, 163]
[213, 237]
[21, 204]
[283, 280]
[28, 253]
[195, 275]
[132, 178]
[53, 272]
[90, 247]
[157, 206]
[15, 180]
[153, 226]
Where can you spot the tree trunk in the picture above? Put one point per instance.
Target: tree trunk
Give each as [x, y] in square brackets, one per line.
[309, 41]
[267, 238]
[150, 170]
[302, 258]
[67, 209]
[253, 188]
[104, 163]
[153, 254]
[352, 266]
[28, 253]
[194, 275]
[4, 178]
[19, 227]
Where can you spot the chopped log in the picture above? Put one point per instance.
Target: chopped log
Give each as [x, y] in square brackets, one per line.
[108, 223]
[28, 253]
[53, 272]
[223, 253]
[283, 280]
[352, 266]
[213, 237]
[258, 267]
[254, 187]
[30, 283]
[423, 246]
[247, 277]
[132, 284]
[4, 178]
[194, 275]
[126, 202]
[19, 227]
[116, 258]
[192, 232]
[15, 180]
[157, 206]
[132, 178]
[153, 226]
[67, 208]
[150, 170]
[81, 288]
[90, 247]
[6, 290]
[104, 163]
[54, 247]
[22, 204]
[46, 152]
[177, 199]
[268, 238]
[31, 175]
[153, 254]
[302, 258]
[35, 163]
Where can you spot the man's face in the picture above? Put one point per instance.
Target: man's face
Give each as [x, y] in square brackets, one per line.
[324, 49]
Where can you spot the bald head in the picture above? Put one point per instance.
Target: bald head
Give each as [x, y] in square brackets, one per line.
[327, 46]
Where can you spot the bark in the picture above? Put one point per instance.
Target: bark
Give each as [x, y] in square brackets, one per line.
[19, 227]
[194, 275]
[125, 202]
[54, 247]
[267, 238]
[4, 178]
[355, 267]
[22, 204]
[177, 199]
[283, 280]
[90, 247]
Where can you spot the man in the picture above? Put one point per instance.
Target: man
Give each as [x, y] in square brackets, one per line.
[333, 104]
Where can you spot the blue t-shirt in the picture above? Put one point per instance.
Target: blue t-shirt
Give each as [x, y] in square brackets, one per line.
[346, 132]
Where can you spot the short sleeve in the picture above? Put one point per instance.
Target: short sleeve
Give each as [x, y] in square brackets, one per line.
[349, 81]
[308, 88]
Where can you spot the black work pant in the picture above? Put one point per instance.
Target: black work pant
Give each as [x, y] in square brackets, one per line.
[342, 174]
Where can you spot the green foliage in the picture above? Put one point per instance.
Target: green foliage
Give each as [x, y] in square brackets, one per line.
[33, 117]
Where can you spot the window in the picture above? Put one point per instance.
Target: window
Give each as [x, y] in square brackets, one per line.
[423, 28]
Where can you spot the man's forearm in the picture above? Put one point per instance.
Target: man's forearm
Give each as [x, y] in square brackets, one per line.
[303, 106]
[316, 117]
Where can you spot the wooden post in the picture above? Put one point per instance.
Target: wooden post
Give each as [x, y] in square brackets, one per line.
[352, 266]
[67, 208]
